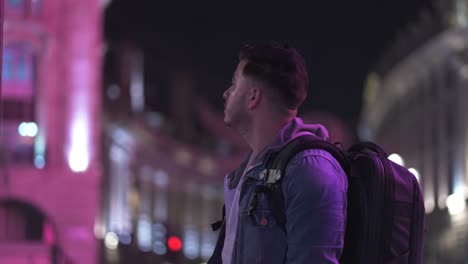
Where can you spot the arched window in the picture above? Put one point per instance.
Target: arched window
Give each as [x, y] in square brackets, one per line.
[26, 235]
[20, 221]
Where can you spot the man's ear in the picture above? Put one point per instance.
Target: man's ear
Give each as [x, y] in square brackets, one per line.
[255, 97]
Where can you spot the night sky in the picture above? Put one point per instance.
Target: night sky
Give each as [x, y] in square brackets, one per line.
[340, 40]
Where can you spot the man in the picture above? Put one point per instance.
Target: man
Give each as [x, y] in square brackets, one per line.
[268, 86]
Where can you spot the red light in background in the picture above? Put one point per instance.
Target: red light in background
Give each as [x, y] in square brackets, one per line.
[174, 243]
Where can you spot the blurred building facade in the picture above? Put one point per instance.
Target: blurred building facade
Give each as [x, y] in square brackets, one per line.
[162, 187]
[415, 106]
[50, 97]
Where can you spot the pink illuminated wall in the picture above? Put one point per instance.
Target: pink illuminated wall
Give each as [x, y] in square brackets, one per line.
[82, 71]
[51, 102]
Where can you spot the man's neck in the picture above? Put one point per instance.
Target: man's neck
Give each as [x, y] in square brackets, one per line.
[263, 133]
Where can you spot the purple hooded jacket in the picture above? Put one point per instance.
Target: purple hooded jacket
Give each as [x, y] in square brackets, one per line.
[314, 188]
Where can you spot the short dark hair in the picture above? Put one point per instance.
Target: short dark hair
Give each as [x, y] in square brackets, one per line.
[281, 68]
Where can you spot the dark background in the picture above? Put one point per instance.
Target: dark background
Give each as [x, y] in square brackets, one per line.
[340, 40]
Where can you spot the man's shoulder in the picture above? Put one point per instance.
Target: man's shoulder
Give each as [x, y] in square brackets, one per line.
[317, 167]
[315, 158]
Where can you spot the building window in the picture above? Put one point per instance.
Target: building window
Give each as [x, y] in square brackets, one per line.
[435, 132]
[450, 125]
[36, 6]
[18, 71]
[16, 7]
[434, 86]
[18, 147]
[17, 110]
[22, 8]
[18, 83]
[18, 104]
[451, 163]
[15, 4]
[450, 79]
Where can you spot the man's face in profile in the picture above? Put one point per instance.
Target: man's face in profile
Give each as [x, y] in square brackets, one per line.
[235, 105]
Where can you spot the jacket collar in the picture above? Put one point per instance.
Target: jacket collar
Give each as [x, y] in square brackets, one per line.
[288, 132]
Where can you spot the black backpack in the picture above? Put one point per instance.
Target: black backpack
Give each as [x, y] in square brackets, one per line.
[385, 213]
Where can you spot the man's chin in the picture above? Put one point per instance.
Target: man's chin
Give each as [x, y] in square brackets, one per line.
[226, 122]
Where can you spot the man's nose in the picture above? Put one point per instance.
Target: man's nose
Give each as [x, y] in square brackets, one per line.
[226, 94]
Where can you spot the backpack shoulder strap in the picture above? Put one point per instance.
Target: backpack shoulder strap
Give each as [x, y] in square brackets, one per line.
[278, 162]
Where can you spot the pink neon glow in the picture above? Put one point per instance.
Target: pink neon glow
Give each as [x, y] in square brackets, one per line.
[78, 157]
[48, 236]
[79, 152]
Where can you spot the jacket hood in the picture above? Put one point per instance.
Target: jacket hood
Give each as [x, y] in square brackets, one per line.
[296, 128]
[292, 130]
